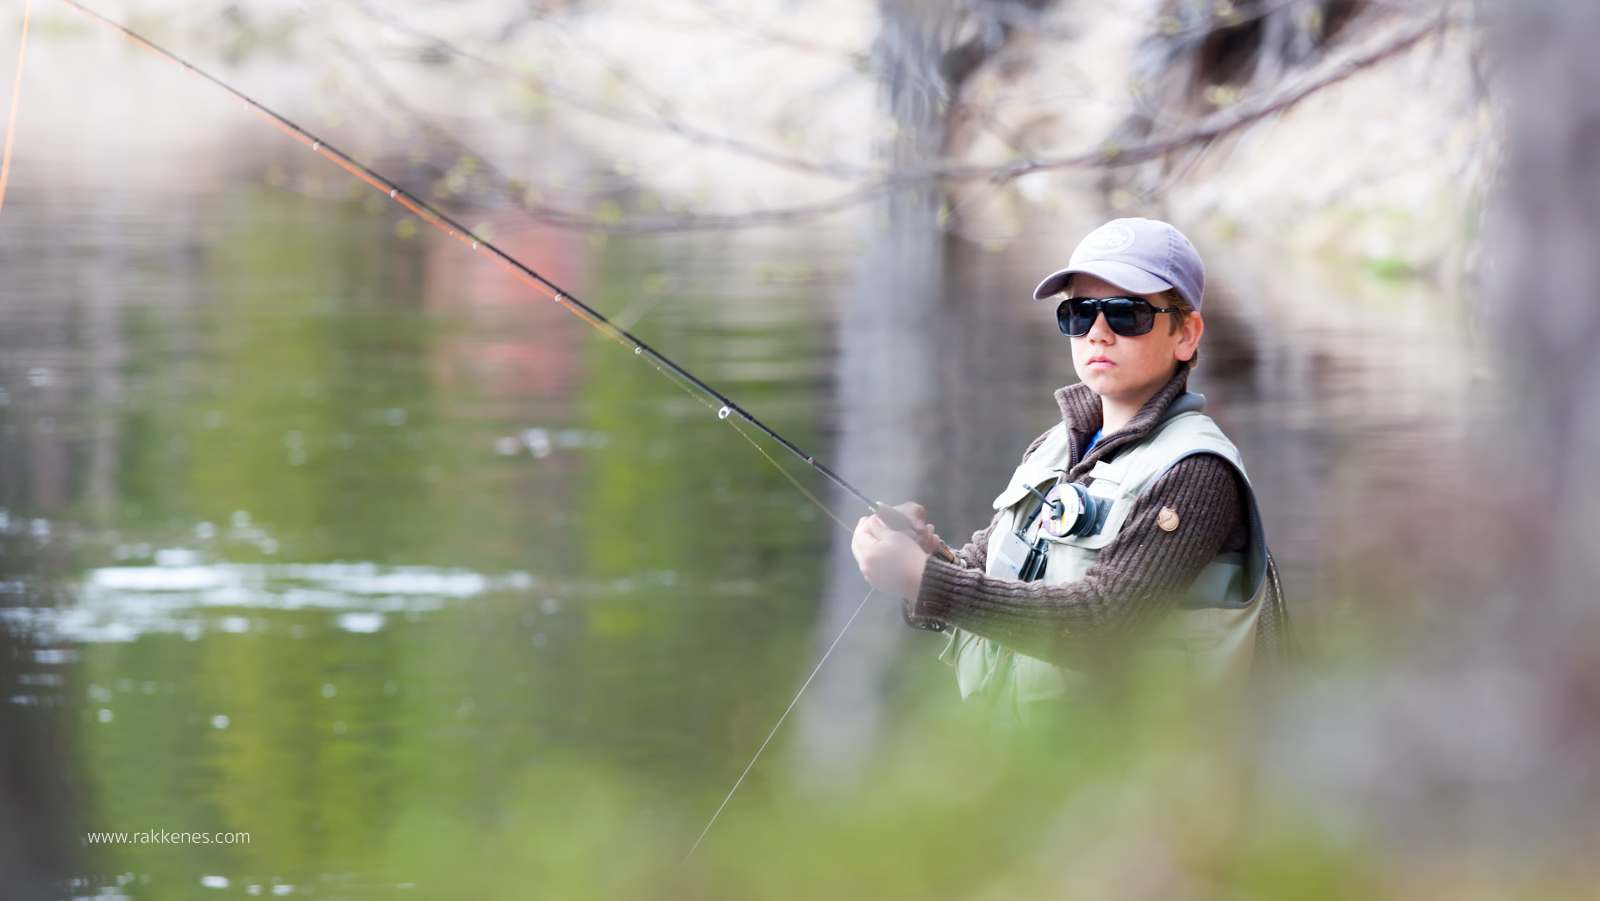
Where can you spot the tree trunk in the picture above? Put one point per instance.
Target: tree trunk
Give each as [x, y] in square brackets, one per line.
[885, 382]
[1543, 300]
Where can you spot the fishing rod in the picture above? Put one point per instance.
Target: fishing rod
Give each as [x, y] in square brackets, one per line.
[891, 517]
[16, 95]
[680, 376]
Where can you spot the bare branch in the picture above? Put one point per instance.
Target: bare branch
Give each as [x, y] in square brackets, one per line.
[686, 222]
[511, 191]
[1014, 15]
[1211, 127]
[662, 120]
[855, 60]
[1204, 131]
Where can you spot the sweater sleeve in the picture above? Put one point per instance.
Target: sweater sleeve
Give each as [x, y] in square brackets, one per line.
[1136, 579]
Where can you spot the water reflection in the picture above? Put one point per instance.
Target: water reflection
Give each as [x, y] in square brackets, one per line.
[125, 602]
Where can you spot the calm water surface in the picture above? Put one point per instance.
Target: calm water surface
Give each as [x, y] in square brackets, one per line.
[325, 530]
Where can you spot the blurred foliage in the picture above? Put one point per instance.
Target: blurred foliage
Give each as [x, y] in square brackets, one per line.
[1129, 794]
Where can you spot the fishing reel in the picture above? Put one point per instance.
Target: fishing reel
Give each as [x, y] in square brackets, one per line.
[1072, 513]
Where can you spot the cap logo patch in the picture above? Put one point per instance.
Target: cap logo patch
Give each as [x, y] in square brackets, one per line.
[1108, 239]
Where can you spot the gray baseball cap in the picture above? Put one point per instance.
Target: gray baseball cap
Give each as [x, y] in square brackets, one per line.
[1140, 256]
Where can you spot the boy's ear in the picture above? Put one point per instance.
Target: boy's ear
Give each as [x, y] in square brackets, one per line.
[1189, 336]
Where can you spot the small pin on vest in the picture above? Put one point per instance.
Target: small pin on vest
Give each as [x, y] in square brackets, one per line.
[1167, 519]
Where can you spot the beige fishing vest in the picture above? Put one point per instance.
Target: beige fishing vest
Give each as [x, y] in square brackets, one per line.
[1207, 639]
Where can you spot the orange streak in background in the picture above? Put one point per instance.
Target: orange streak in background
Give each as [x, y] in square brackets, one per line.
[321, 149]
[16, 94]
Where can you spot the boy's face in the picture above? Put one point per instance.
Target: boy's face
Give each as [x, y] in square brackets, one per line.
[1132, 369]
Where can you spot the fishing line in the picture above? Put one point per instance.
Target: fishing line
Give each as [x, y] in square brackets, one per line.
[700, 398]
[790, 476]
[675, 373]
[442, 221]
[780, 723]
[16, 94]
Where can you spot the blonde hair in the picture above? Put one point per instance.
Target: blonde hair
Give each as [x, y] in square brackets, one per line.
[1184, 308]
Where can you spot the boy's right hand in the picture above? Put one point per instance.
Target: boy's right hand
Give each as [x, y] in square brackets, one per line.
[921, 530]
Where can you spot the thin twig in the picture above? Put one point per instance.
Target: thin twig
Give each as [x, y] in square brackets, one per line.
[857, 61]
[566, 218]
[660, 121]
[1211, 127]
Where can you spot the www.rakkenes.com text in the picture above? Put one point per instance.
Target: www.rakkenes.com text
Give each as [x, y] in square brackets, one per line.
[163, 837]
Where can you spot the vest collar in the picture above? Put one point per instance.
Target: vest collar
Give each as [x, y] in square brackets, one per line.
[1082, 415]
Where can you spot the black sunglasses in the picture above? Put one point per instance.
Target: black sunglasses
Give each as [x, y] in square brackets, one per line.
[1129, 317]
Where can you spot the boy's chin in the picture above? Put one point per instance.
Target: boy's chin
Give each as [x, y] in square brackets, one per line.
[1098, 382]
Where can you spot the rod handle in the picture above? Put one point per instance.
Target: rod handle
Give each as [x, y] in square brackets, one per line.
[898, 521]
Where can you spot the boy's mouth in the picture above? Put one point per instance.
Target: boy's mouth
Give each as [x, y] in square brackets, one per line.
[1099, 363]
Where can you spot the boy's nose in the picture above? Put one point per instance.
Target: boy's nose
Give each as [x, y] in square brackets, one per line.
[1099, 331]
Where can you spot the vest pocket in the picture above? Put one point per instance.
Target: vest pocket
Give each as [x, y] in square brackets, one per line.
[1220, 640]
[1040, 681]
[976, 663]
[1220, 584]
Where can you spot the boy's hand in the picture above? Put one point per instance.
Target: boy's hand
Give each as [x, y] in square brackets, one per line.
[925, 536]
[892, 561]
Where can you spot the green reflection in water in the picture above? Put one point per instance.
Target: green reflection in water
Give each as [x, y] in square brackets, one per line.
[679, 490]
[301, 423]
[318, 410]
[674, 573]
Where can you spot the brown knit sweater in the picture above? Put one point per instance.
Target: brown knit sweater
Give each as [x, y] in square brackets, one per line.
[1139, 575]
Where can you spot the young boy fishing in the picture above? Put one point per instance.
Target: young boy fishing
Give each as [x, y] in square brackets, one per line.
[1129, 531]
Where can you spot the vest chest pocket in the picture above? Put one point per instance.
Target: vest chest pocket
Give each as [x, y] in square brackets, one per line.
[1106, 480]
[1068, 562]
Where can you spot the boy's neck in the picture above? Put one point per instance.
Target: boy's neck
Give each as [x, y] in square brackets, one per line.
[1117, 412]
